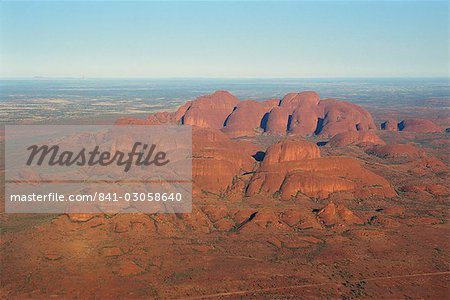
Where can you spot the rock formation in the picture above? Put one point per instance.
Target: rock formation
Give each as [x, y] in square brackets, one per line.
[210, 111]
[337, 214]
[340, 116]
[397, 150]
[291, 167]
[411, 125]
[355, 138]
[217, 160]
[247, 117]
[291, 150]
[418, 125]
[304, 114]
[301, 114]
[390, 125]
[277, 121]
[434, 189]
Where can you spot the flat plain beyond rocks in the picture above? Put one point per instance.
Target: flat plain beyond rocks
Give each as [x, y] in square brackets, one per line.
[298, 197]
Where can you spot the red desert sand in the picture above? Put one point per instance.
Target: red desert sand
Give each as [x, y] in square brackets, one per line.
[298, 197]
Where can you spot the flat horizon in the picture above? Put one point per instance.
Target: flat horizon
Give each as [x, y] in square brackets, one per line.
[223, 78]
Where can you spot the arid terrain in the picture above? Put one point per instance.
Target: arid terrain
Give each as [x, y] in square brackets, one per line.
[293, 198]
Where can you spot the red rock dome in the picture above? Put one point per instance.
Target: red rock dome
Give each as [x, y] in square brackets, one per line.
[397, 150]
[277, 121]
[246, 118]
[210, 111]
[291, 150]
[301, 114]
[418, 125]
[337, 214]
[355, 138]
[318, 178]
[217, 160]
[390, 125]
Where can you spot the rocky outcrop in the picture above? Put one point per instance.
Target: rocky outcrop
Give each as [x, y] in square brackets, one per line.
[390, 125]
[277, 121]
[304, 114]
[434, 189]
[418, 125]
[337, 214]
[306, 99]
[301, 114]
[412, 159]
[359, 138]
[291, 150]
[289, 167]
[340, 116]
[217, 160]
[397, 151]
[247, 117]
[210, 111]
[292, 167]
[411, 125]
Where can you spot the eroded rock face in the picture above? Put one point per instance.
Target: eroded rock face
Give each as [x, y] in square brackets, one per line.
[337, 214]
[277, 121]
[210, 111]
[355, 138]
[304, 121]
[307, 115]
[396, 151]
[303, 99]
[301, 114]
[412, 159]
[290, 166]
[390, 125]
[317, 178]
[313, 185]
[217, 160]
[418, 125]
[434, 189]
[291, 150]
[247, 117]
[411, 125]
[340, 116]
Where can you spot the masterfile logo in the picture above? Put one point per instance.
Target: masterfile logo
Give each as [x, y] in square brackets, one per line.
[98, 169]
[143, 154]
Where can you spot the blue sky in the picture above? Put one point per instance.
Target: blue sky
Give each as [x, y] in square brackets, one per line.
[224, 39]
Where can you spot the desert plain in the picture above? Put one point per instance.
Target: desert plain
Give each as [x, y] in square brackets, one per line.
[293, 198]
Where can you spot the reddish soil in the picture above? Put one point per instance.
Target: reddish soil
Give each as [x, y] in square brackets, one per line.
[274, 216]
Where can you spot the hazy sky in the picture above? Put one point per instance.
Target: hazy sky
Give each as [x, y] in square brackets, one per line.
[218, 39]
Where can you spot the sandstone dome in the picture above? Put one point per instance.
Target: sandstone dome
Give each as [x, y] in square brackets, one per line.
[291, 150]
[301, 114]
[390, 125]
[418, 125]
[397, 150]
[355, 138]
